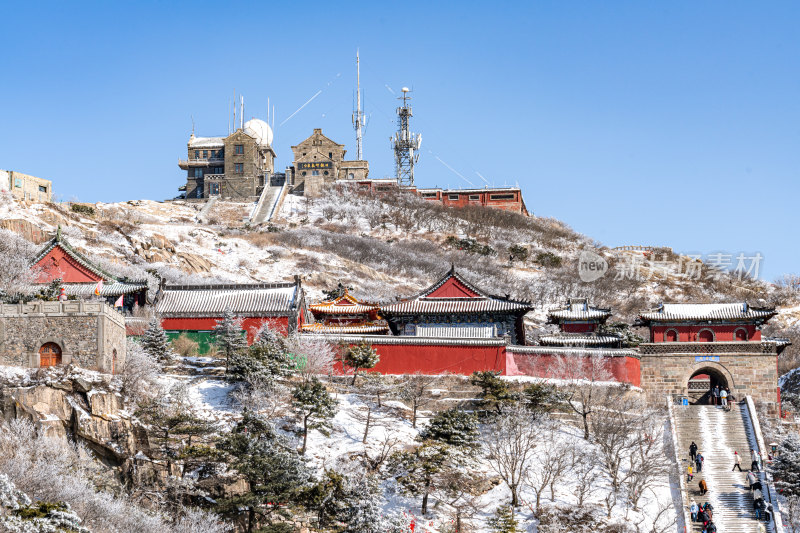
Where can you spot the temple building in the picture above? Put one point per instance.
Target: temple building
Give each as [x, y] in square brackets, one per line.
[578, 324]
[194, 310]
[83, 279]
[695, 347]
[237, 166]
[454, 308]
[345, 315]
[319, 161]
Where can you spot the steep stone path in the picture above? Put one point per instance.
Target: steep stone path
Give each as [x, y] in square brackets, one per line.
[718, 434]
[266, 203]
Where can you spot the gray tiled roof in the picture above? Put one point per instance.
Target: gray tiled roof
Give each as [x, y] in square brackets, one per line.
[578, 309]
[245, 300]
[115, 288]
[580, 339]
[454, 305]
[708, 312]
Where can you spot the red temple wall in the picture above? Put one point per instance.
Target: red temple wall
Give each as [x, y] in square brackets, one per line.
[57, 264]
[250, 325]
[623, 369]
[688, 333]
[410, 359]
[578, 328]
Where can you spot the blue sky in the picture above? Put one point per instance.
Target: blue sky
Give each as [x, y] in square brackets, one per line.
[663, 123]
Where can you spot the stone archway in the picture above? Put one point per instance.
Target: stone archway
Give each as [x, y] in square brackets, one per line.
[49, 355]
[698, 381]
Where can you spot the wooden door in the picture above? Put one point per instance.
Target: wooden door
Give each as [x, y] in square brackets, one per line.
[49, 355]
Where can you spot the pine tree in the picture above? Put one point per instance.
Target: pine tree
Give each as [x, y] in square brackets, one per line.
[228, 335]
[453, 427]
[495, 392]
[314, 406]
[361, 356]
[275, 473]
[504, 521]
[416, 470]
[155, 341]
[786, 466]
[261, 361]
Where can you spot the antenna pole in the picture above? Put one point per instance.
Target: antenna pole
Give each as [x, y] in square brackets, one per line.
[405, 143]
[241, 112]
[358, 116]
[234, 108]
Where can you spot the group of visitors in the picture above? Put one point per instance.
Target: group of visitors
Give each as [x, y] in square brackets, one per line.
[704, 513]
[722, 396]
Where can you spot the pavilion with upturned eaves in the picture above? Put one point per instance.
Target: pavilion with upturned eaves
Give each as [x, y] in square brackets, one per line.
[345, 315]
[454, 308]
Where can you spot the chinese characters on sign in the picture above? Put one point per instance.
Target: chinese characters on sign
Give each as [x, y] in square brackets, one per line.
[313, 165]
[701, 358]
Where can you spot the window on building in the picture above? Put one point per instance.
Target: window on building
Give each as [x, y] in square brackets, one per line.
[42, 188]
[315, 172]
[238, 168]
[705, 335]
[205, 154]
[198, 173]
[452, 197]
[238, 149]
[213, 189]
[330, 155]
[474, 196]
[502, 196]
[17, 182]
[429, 195]
[351, 176]
[197, 154]
[670, 336]
[326, 172]
[740, 334]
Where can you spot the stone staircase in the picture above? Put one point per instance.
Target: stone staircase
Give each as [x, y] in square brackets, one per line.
[202, 216]
[267, 202]
[718, 434]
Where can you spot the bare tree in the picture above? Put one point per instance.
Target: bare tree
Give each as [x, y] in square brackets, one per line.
[416, 391]
[314, 356]
[510, 442]
[551, 462]
[16, 274]
[264, 396]
[384, 449]
[584, 388]
[461, 491]
[584, 468]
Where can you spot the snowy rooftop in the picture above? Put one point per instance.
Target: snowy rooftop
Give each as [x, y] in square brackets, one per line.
[580, 339]
[578, 309]
[207, 142]
[263, 299]
[709, 312]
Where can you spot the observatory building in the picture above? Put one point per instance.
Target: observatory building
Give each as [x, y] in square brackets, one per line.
[317, 161]
[236, 166]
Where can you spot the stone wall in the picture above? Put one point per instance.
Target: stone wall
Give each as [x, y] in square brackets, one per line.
[90, 334]
[747, 367]
[26, 187]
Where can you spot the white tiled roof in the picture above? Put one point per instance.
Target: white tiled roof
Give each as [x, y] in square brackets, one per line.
[715, 312]
[578, 310]
[115, 288]
[578, 339]
[409, 340]
[207, 142]
[453, 305]
[586, 352]
[276, 299]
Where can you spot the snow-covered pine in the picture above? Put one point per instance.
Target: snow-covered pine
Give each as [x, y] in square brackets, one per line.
[786, 466]
[228, 334]
[361, 356]
[155, 341]
[453, 427]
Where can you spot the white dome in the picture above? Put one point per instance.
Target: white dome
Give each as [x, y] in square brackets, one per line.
[260, 130]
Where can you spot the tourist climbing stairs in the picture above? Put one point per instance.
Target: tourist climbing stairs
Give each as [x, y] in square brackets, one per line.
[718, 433]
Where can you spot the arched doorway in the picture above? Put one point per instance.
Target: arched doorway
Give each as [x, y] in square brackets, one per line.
[49, 355]
[702, 382]
[740, 334]
[705, 335]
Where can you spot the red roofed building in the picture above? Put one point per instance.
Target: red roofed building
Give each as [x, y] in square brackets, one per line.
[454, 308]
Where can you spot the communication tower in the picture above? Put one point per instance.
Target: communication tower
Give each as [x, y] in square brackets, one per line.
[405, 143]
[359, 120]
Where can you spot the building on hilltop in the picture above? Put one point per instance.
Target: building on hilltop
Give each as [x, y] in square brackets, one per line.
[82, 278]
[454, 308]
[345, 315]
[237, 166]
[196, 309]
[319, 161]
[505, 198]
[26, 187]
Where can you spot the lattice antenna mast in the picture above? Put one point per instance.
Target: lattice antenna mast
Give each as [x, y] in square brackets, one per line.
[358, 115]
[405, 143]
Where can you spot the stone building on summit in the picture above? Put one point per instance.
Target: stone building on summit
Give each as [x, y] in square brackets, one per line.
[319, 161]
[237, 166]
